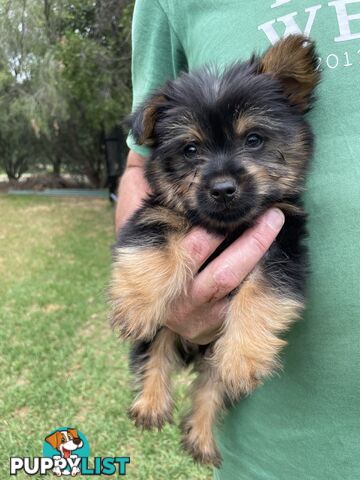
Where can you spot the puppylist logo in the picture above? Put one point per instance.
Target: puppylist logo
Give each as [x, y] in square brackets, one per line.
[66, 452]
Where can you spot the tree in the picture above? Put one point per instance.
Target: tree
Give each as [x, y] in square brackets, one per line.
[95, 54]
[64, 81]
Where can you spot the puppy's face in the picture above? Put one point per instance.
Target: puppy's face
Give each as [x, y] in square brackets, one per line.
[227, 145]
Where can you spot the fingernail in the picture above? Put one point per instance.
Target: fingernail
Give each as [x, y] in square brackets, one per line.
[275, 218]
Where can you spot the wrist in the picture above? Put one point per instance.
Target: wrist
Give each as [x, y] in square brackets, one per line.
[135, 160]
[133, 188]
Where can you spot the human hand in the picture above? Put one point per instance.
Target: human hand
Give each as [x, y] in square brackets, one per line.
[198, 316]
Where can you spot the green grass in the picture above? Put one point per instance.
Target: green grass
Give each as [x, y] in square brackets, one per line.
[60, 363]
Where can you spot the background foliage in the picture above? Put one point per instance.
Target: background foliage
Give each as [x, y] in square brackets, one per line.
[64, 83]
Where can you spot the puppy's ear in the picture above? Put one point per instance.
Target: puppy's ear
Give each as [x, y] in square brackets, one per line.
[142, 121]
[54, 439]
[293, 61]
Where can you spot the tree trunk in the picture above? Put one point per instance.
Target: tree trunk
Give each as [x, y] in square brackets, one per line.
[93, 177]
[12, 177]
[57, 167]
[14, 168]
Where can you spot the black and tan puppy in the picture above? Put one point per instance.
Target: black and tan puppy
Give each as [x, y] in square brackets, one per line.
[225, 146]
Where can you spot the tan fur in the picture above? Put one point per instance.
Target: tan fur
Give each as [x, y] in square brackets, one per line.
[153, 405]
[187, 133]
[149, 119]
[261, 175]
[187, 130]
[264, 177]
[246, 122]
[194, 132]
[243, 124]
[163, 215]
[207, 403]
[291, 61]
[248, 348]
[287, 174]
[145, 281]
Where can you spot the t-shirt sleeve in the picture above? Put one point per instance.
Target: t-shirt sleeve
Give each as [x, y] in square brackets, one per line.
[157, 54]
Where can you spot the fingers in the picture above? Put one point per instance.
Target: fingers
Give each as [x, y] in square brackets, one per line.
[230, 268]
[199, 245]
[200, 317]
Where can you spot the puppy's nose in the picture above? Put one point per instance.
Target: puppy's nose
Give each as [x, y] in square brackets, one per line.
[77, 441]
[222, 190]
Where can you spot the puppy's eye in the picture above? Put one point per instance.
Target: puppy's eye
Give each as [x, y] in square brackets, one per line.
[254, 140]
[190, 150]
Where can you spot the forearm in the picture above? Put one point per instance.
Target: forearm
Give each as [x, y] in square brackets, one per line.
[133, 188]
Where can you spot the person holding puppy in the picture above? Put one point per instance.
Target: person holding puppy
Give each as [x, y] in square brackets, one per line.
[303, 423]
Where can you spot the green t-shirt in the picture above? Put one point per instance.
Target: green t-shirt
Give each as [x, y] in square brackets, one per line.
[303, 424]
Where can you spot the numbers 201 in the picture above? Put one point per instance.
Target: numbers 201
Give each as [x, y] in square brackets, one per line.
[332, 61]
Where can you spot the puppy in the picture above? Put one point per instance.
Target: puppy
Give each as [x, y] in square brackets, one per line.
[225, 147]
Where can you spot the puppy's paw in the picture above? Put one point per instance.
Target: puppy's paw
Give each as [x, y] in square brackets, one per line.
[242, 378]
[199, 443]
[240, 369]
[150, 415]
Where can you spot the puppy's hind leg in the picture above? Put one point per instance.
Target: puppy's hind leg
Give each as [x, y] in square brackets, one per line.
[207, 404]
[247, 351]
[153, 405]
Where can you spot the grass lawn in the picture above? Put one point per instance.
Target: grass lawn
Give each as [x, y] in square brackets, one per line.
[60, 363]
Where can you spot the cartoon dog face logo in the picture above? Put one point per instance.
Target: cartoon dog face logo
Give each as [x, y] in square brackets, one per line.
[66, 441]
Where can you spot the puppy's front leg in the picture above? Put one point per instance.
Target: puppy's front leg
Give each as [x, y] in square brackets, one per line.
[248, 349]
[145, 282]
[152, 365]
